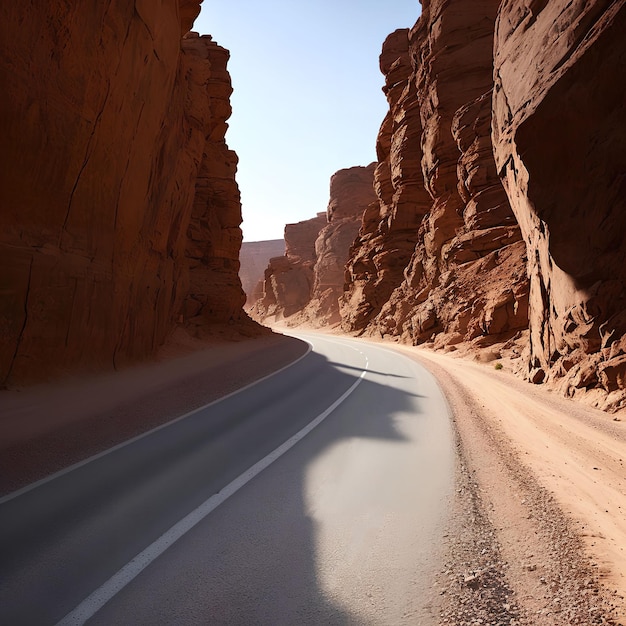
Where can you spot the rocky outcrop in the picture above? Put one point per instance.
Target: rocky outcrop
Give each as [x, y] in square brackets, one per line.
[254, 258]
[441, 255]
[514, 179]
[213, 236]
[288, 280]
[389, 227]
[120, 214]
[309, 280]
[351, 192]
[560, 148]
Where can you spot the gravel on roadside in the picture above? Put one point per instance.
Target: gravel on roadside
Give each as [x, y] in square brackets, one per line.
[513, 557]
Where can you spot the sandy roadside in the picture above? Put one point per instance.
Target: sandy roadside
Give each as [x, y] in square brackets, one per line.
[46, 428]
[550, 475]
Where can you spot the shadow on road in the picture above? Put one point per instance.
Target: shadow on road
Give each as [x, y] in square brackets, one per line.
[255, 560]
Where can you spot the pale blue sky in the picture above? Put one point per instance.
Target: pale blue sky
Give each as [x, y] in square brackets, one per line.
[307, 97]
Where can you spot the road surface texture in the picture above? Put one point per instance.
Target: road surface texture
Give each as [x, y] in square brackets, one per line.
[212, 520]
[533, 534]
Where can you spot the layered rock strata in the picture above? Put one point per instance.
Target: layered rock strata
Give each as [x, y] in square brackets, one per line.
[506, 137]
[388, 233]
[254, 257]
[288, 280]
[441, 255]
[351, 193]
[560, 148]
[309, 279]
[120, 214]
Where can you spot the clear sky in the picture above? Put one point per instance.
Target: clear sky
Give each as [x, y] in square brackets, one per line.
[307, 97]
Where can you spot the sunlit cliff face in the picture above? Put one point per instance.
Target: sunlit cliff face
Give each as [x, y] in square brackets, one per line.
[517, 204]
[559, 144]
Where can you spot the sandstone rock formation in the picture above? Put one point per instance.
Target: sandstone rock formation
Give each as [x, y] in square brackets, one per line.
[288, 279]
[388, 233]
[309, 279]
[119, 210]
[351, 193]
[441, 254]
[254, 258]
[501, 163]
[560, 147]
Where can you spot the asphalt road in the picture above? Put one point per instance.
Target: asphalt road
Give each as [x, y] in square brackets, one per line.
[214, 519]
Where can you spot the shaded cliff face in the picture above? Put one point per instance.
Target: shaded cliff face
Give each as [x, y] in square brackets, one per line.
[441, 255]
[560, 148]
[120, 213]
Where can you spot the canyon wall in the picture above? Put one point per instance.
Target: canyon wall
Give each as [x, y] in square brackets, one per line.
[288, 279]
[254, 257]
[309, 279]
[440, 255]
[501, 190]
[559, 136]
[119, 209]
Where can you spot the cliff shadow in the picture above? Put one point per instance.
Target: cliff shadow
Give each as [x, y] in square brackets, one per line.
[257, 558]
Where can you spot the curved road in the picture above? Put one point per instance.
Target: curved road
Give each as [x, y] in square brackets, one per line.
[317, 495]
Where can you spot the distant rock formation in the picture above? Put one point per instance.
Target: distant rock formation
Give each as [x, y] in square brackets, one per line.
[351, 193]
[288, 280]
[309, 280]
[501, 189]
[120, 212]
[254, 257]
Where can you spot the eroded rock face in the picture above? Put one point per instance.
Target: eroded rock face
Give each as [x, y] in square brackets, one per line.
[288, 281]
[514, 176]
[113, 136]
[254, 258]
[213, 235]
[351, 192]
[441, 255]
[560, 148]
[388, 233]
[309, 280]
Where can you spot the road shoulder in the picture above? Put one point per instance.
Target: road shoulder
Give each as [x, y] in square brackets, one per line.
[526, 547]
[45, 429]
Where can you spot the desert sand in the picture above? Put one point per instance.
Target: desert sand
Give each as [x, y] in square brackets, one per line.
[550, 474]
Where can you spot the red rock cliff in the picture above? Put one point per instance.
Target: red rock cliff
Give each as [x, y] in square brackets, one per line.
[441, 254]
[119, 210]
[506, 138]
[309, 279]
[351, 192]
[288, 280]
[560, 147]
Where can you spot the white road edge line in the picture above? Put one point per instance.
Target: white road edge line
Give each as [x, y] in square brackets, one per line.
[19, 492]
[93, 603]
